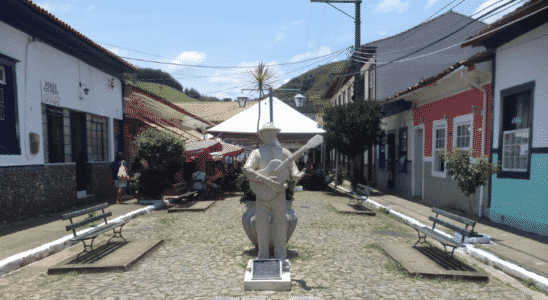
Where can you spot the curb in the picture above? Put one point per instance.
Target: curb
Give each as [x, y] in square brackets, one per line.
[20, 260]
[510, 268]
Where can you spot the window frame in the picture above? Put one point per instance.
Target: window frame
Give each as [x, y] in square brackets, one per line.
[403, 153]
[528, 87]
[382, 156]
[3, 75]
[438, 124]
[460, 121]
[93, 138]
[10, 142]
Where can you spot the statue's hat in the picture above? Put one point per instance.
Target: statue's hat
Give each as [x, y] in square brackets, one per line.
[269, 126]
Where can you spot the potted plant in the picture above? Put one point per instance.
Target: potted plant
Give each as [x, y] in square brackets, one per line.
[161, 154]
[470, 173]
[248, 219]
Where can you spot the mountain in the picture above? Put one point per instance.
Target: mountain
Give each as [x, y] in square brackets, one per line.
[170, 94]
[315, 81]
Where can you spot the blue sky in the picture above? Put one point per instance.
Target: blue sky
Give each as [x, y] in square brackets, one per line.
[240, 33]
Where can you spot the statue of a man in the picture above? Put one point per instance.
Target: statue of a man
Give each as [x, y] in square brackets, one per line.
[258, 160]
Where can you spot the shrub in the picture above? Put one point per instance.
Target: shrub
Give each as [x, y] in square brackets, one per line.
[468, 174]
[163, 152]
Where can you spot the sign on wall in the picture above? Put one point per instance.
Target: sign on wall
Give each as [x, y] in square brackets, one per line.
[49, 93]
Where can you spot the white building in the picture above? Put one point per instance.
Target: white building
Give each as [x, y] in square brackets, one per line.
[61, 104]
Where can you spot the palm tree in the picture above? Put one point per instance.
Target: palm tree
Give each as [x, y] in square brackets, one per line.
[262, 78]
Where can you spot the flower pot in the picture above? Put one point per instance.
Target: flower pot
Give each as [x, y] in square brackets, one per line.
[481, 239]
[248, 221]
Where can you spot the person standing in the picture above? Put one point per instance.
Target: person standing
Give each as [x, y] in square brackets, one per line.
[119, 184]
[198, 181]
[258, 160]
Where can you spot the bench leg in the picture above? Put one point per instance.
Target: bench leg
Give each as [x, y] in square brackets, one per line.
[422, 239]
[117, 234]
[86, 249]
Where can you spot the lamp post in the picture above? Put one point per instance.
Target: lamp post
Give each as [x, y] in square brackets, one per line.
[242, 101]
[299, 100]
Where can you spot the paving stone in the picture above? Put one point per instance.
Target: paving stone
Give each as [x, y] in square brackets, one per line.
[204, 256]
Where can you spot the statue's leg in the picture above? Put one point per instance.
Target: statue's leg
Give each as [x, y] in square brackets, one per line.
[279, 210]
[262, 221]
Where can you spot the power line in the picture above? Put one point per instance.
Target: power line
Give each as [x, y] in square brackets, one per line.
[443, 38]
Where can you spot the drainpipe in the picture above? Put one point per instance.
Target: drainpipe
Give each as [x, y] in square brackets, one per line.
[483, 120]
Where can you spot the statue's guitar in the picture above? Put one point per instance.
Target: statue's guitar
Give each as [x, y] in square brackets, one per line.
[277, 168]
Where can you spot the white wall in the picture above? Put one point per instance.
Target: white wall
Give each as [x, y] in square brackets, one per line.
[522, 60]
[42, 62]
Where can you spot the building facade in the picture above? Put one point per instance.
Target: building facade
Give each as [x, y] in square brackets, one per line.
[60, 113]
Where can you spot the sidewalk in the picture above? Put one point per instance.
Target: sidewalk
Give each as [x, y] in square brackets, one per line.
[524, 249]
[21, 236]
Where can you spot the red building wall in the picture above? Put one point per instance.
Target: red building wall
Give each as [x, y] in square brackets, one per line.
[454, 106]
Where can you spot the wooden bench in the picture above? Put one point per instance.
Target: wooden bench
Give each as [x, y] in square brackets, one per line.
[92, 234]
[361, 195]
[184, 196]
[445, 241]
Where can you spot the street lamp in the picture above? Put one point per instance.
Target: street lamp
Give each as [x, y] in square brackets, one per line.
[299, 100]
[242, 101]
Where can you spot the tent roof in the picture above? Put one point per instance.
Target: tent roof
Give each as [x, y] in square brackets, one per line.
[286, 118]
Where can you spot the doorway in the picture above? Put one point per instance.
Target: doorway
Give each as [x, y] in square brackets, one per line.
[79, 154]
[418, 165]
[391, 161]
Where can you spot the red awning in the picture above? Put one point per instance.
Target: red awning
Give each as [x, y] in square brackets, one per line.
[228, 150]
[194, 150]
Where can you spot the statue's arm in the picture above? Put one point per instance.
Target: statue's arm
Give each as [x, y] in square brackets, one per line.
[250, 170]
[293, 168]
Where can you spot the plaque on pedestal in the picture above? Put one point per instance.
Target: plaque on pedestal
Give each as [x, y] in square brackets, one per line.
[267, 275]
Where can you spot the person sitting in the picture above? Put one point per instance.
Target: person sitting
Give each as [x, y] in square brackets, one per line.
[198, 182]
[321, 175]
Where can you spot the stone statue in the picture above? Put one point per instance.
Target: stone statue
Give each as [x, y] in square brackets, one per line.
[267, 169]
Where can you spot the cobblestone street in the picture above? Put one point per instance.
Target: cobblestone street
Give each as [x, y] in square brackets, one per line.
[333, 256]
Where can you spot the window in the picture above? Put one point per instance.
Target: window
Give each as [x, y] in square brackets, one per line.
[439, 143]
[403, 150]
[516, 130]
[344, 97]
[97, 131]
[9, 116]
[372, 83]
[118, 136]
[462, 132]
[382, 156]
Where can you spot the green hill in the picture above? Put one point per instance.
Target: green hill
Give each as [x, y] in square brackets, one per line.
[170, 94]
[315, 81]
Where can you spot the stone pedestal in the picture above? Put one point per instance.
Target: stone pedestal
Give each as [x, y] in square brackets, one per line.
[267, 275]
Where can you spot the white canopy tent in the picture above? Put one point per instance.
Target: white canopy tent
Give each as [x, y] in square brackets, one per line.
[296, 128]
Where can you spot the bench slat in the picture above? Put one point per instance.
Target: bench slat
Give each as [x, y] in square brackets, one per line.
[88, 220]
[84, 211]
[454, 217]
[443, 239]
[450, 226]
[97, 231]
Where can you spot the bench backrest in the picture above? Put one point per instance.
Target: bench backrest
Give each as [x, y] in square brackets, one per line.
[463, 231]
[86, 221]
[363, 190]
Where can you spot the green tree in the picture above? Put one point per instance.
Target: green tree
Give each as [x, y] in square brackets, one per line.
[351, 129]
[156, 76]
[163, 152]
[193, 93]
[469, 173]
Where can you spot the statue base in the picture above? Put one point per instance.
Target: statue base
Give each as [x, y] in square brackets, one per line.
[267, 275]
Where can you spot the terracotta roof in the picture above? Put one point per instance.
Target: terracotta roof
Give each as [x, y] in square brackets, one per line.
[53, 18]
[524, 10]
[477, 58]
[162, 100]
[214, 112]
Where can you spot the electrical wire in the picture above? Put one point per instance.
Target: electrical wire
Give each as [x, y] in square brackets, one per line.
[308, 29]
[336, 29]
[321, 29]
[443, 38]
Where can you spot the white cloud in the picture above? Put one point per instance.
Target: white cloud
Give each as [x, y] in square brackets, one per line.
[307, 55]
[90, 7]
[390, 5]
[187, 57]
[117, 51]
[482, 9]
[56, 7]
[382, 32]
[430, 3]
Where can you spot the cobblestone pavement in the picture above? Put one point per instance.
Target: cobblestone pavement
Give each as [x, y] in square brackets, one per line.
[333, 256]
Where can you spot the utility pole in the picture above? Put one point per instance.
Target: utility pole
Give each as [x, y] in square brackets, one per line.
[357, 40]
